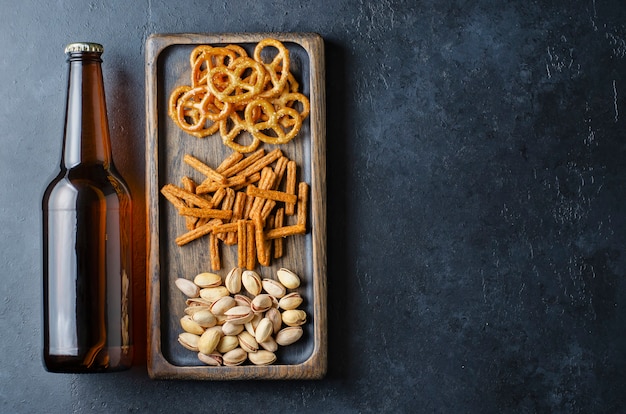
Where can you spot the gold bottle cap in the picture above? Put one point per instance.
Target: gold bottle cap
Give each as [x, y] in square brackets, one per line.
[84, 47]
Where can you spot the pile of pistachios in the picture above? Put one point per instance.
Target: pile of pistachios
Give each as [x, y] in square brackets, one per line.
[241, 318]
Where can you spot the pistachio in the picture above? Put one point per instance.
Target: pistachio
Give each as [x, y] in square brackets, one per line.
[290, 301]
[251, 326]
[230, 328]
[294, 317]
[277, 321]
[262, 357]
[288, 336]
[209, 339]
[288, 278]
[235, 357]
[239, 315]
[274, 288]
[242, 300]
[222, 305]
[214, 360]
[197, 302]
[247, 342]
[212, 294]
[261, 303]
[189, 289]
[263, 330]
[204, 318]
[189, 341]
[227, 343]
[190, 325]
[233, 280]
[205, 280]
[191, 310]
[269, 344]
[252, 282]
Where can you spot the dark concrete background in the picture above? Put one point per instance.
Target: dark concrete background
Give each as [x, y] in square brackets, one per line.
[475, 196]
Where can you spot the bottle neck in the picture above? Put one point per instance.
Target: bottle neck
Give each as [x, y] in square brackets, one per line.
[86, 138]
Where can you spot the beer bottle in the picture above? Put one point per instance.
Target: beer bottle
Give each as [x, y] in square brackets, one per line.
[87, 235]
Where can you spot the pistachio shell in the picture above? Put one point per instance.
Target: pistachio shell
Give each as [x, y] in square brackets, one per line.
[252, 282]
[227, 343]
[233, 280]
[214, 360]
[269, 344]
[230, 328]
[207, 279]
[263, 330]
[197, 302]
[251, 326]
[277, 321]
[288, 278]
[191, 310]
[204, 318]
[212, 294]
[209, 339]
[290, 301]
[242, 300]
[294, 317]
[262, 357]
[190, 325]
[189, 289]
[222, 304]
[189, 341]
[247, 342]
[261, 303]
[239, 315]
[274, 288]
[288, 336]
[235, 357]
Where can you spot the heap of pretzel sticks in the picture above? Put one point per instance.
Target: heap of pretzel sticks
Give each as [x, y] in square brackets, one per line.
[232, 92]
[245, 201]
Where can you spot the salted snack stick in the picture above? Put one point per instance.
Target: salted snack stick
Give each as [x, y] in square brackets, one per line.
[197, 232]
[209, 186]
[244, 163]
[188, 196]
[278, 242]
[242, 245]
[285, 231]
[206, 213]
[262, 162]
[259, 239]
[229, 161]
[189, 185]
[214, 252]
[254, 191]
[290, 187]
[303, 200]
[204, 169]
[250, 246]
[238, 206]
[267, 181]
[279, 170]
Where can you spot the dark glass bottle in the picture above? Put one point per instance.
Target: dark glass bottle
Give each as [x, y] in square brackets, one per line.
[87, 235]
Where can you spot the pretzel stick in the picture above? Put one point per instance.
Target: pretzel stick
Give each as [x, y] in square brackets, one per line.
[278, 242]
[227, 228]
[196, 233]
[303, 200]
[267, 209]
[227, 205]
[189, 185]
[242, 245]
[204, 169]
[250, 242]
[275, 195]
[218, 196]
[261, 253]
[285, 231]
[214, 250]
[267, 181]
[279, 170]
[206, 213]
[176, 201]
[263, 162]
[189, 197]
[209, 186]
[243, 163]
[229, 161]
[238, 206]
[290, 187]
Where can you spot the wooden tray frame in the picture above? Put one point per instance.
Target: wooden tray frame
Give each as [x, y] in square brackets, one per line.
[315, 366]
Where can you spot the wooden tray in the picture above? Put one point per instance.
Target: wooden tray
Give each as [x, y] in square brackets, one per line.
[167, 66]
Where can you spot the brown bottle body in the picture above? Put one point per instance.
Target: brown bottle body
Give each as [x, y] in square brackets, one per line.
[87, 238]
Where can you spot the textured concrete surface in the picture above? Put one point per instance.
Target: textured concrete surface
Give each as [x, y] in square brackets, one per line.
[476, 202]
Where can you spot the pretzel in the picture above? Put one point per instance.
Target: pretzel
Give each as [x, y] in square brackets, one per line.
[248, 100]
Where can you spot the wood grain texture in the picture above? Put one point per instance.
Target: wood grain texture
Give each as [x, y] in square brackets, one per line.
[167, 66]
